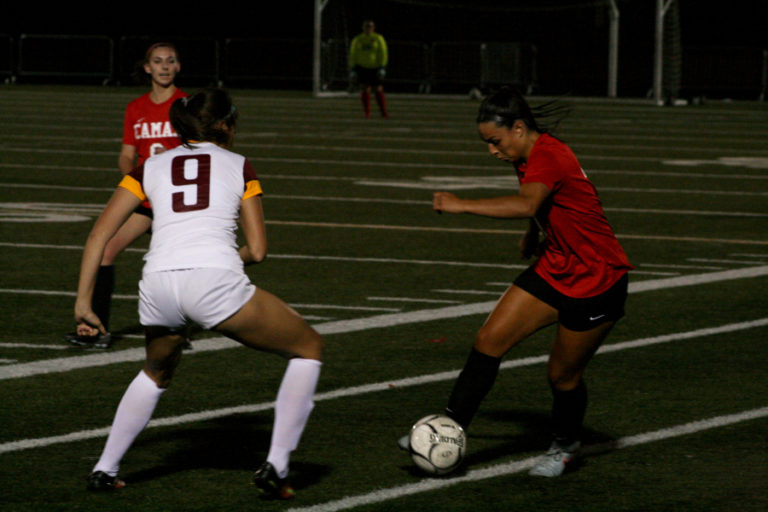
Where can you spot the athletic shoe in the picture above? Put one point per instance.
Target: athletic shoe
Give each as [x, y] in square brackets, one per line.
[270, 485]
[553, 463]
[100, 481]
[404, 443]
[98, 341]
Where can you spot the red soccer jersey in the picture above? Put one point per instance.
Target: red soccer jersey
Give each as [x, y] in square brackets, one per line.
[147, 127]
[581, 256]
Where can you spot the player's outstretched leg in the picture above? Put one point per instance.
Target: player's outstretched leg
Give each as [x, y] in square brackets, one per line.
[266, 323]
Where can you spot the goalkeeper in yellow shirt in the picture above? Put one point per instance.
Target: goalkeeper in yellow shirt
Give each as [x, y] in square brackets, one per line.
[368, 58]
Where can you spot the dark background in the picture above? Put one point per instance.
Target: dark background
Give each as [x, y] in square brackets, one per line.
[736, 22]
[571, 42]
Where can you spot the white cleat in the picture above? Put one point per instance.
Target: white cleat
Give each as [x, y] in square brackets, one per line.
[404, 443]
[554, 461]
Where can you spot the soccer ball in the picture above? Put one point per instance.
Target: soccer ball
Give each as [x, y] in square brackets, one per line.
[438, 444]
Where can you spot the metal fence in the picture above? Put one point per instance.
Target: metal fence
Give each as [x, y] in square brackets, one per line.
[414, 66]
[440, 66]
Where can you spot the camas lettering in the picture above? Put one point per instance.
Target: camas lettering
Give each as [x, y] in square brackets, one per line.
[159, 130]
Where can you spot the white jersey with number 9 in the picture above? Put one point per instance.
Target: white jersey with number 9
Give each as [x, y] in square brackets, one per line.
[195, 194]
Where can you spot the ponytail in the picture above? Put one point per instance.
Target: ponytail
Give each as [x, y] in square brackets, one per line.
[507, 105]
[203, 116]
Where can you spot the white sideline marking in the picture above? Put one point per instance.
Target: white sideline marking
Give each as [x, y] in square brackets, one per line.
[58, 293]
[313, 177]
[447, 183]
[205, 345]
[509, 468]
[694, 279]
[312, 257]
[411, 299]
[669, 238]
[33, 345]
[466, 292]
[345, 326]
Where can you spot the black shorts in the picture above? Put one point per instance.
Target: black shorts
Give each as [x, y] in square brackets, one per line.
[367, 76]
[143, 210]
[578, 314]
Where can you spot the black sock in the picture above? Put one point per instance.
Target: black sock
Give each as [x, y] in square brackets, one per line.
[568, 409]
[474, 382]
[102, 293]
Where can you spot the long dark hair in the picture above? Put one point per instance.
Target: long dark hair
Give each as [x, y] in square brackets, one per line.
[199, 117]
[507, 105]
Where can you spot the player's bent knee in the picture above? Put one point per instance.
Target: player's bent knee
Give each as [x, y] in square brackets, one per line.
[563, 379]
[492, 343]
[164, 351]
[312, 346]
[160, 376]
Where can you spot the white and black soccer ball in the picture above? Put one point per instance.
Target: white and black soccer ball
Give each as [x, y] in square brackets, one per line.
[437, 444]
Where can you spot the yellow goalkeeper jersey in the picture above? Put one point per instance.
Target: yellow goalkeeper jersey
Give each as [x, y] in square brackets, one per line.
[368, 51]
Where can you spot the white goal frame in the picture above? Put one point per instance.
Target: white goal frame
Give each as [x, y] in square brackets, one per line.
[662, 7]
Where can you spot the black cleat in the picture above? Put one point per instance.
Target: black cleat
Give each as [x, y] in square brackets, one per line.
[270, 485]
[100, 481]
[98, 341]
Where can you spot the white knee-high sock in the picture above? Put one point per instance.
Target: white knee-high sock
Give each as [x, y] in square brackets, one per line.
[133, 414]
[295, 400]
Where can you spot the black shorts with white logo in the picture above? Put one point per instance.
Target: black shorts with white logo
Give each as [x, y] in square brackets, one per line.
[578, 314]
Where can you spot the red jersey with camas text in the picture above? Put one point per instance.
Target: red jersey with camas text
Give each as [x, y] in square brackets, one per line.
[581, 256]
[146, 126]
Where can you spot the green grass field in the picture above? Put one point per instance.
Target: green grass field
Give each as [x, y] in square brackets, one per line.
[678, 414]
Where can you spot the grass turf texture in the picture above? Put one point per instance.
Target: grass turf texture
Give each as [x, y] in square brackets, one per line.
[350, 225]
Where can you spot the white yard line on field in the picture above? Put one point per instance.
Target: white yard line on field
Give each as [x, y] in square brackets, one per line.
[430, 183]
[414, 299]
[358, 324]
[205, 345]
[669, 238]
[518, 466]
[312, 257]
[318, 177]
[34, 345]
[17, 291]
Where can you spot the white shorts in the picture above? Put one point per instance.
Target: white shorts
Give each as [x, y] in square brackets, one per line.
[205, 296]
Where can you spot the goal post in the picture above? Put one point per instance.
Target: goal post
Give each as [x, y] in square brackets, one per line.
[332, 33]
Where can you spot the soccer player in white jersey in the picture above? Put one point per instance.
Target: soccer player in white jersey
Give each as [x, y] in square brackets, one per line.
[193, 272]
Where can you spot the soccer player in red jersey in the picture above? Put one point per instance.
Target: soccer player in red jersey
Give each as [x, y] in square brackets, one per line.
[578, 280]
[147, 131]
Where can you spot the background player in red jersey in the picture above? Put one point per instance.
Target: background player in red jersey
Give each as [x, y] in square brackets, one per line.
[578, 280]
[147, 131]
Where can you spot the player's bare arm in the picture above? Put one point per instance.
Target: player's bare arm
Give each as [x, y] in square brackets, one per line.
[119, 208]
[127, 159]
[523, 205]
[254, 230]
